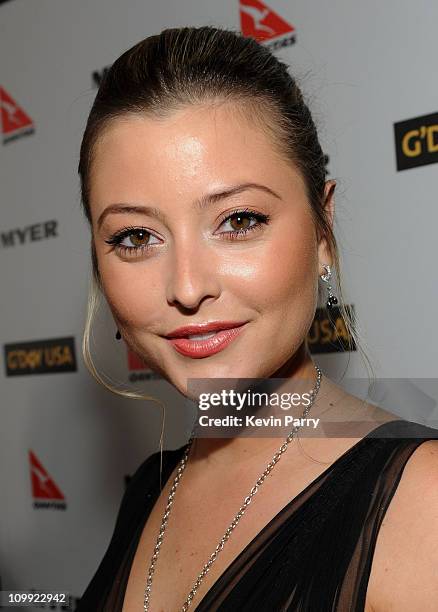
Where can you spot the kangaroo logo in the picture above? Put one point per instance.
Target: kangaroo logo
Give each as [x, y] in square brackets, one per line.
[14, 121]
[43, 485]
[261, 22]
[11, 112]
[43, 480]
[257, 16]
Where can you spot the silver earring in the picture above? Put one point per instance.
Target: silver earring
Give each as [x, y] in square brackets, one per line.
[332, 300]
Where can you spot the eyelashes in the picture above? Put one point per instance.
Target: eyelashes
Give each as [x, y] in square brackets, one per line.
[136, 234]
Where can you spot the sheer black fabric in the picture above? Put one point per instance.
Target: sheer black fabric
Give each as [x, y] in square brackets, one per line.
[315, 555]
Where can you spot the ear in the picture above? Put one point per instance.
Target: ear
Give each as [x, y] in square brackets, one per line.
[324, 253]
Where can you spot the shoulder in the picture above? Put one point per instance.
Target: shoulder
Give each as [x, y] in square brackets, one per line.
[404, 569]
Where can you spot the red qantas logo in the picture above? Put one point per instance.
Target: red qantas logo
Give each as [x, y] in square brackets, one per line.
[260, 22]
[135, 363]
[15, 122]
[139, 369]
[44, 488]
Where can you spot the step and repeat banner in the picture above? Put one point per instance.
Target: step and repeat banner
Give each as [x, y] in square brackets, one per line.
[67, 445]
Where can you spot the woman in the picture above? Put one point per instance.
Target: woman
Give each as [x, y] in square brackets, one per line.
[204, 184]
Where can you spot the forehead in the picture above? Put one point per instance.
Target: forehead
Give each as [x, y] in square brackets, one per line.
[187, 153]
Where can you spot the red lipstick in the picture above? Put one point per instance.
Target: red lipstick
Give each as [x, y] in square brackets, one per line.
[220, 335]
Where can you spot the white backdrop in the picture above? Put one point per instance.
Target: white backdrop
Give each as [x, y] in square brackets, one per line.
[364, 66]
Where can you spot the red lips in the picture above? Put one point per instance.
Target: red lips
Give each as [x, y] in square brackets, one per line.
[224, 333]
[203, 328]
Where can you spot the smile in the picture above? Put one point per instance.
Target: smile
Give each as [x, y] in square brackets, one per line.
[198, 346]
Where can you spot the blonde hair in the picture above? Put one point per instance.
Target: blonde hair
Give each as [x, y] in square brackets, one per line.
[93, 303]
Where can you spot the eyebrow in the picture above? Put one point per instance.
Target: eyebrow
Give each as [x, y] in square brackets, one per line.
[199, 204]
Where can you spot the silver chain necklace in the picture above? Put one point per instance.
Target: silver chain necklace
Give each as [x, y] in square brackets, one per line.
[236, 519]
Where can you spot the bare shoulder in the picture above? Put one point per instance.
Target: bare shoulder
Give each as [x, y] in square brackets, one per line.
[404, 574]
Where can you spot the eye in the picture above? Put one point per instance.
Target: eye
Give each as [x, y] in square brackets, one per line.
[135, 241]
[132, 240]
[239, 221]
[137, 238]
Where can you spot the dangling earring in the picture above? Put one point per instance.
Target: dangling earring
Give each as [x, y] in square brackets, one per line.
[118, 335]
[332, 300]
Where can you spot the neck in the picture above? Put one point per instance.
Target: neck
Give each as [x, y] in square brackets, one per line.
[223, 452]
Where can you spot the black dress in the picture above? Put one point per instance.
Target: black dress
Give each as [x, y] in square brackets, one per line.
[315, 555]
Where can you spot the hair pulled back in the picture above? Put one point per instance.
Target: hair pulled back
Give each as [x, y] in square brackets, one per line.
[208, 65]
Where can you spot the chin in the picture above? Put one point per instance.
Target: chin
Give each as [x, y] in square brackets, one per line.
[219, 375]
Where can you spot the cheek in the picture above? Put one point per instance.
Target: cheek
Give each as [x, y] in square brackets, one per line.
[291, 290]
[299, 256]
[286, 269]
[133, 295]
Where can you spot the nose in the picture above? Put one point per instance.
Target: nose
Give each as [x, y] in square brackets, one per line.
[193, 274]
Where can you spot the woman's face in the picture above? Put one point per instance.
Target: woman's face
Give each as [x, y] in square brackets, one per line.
[177, 258]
